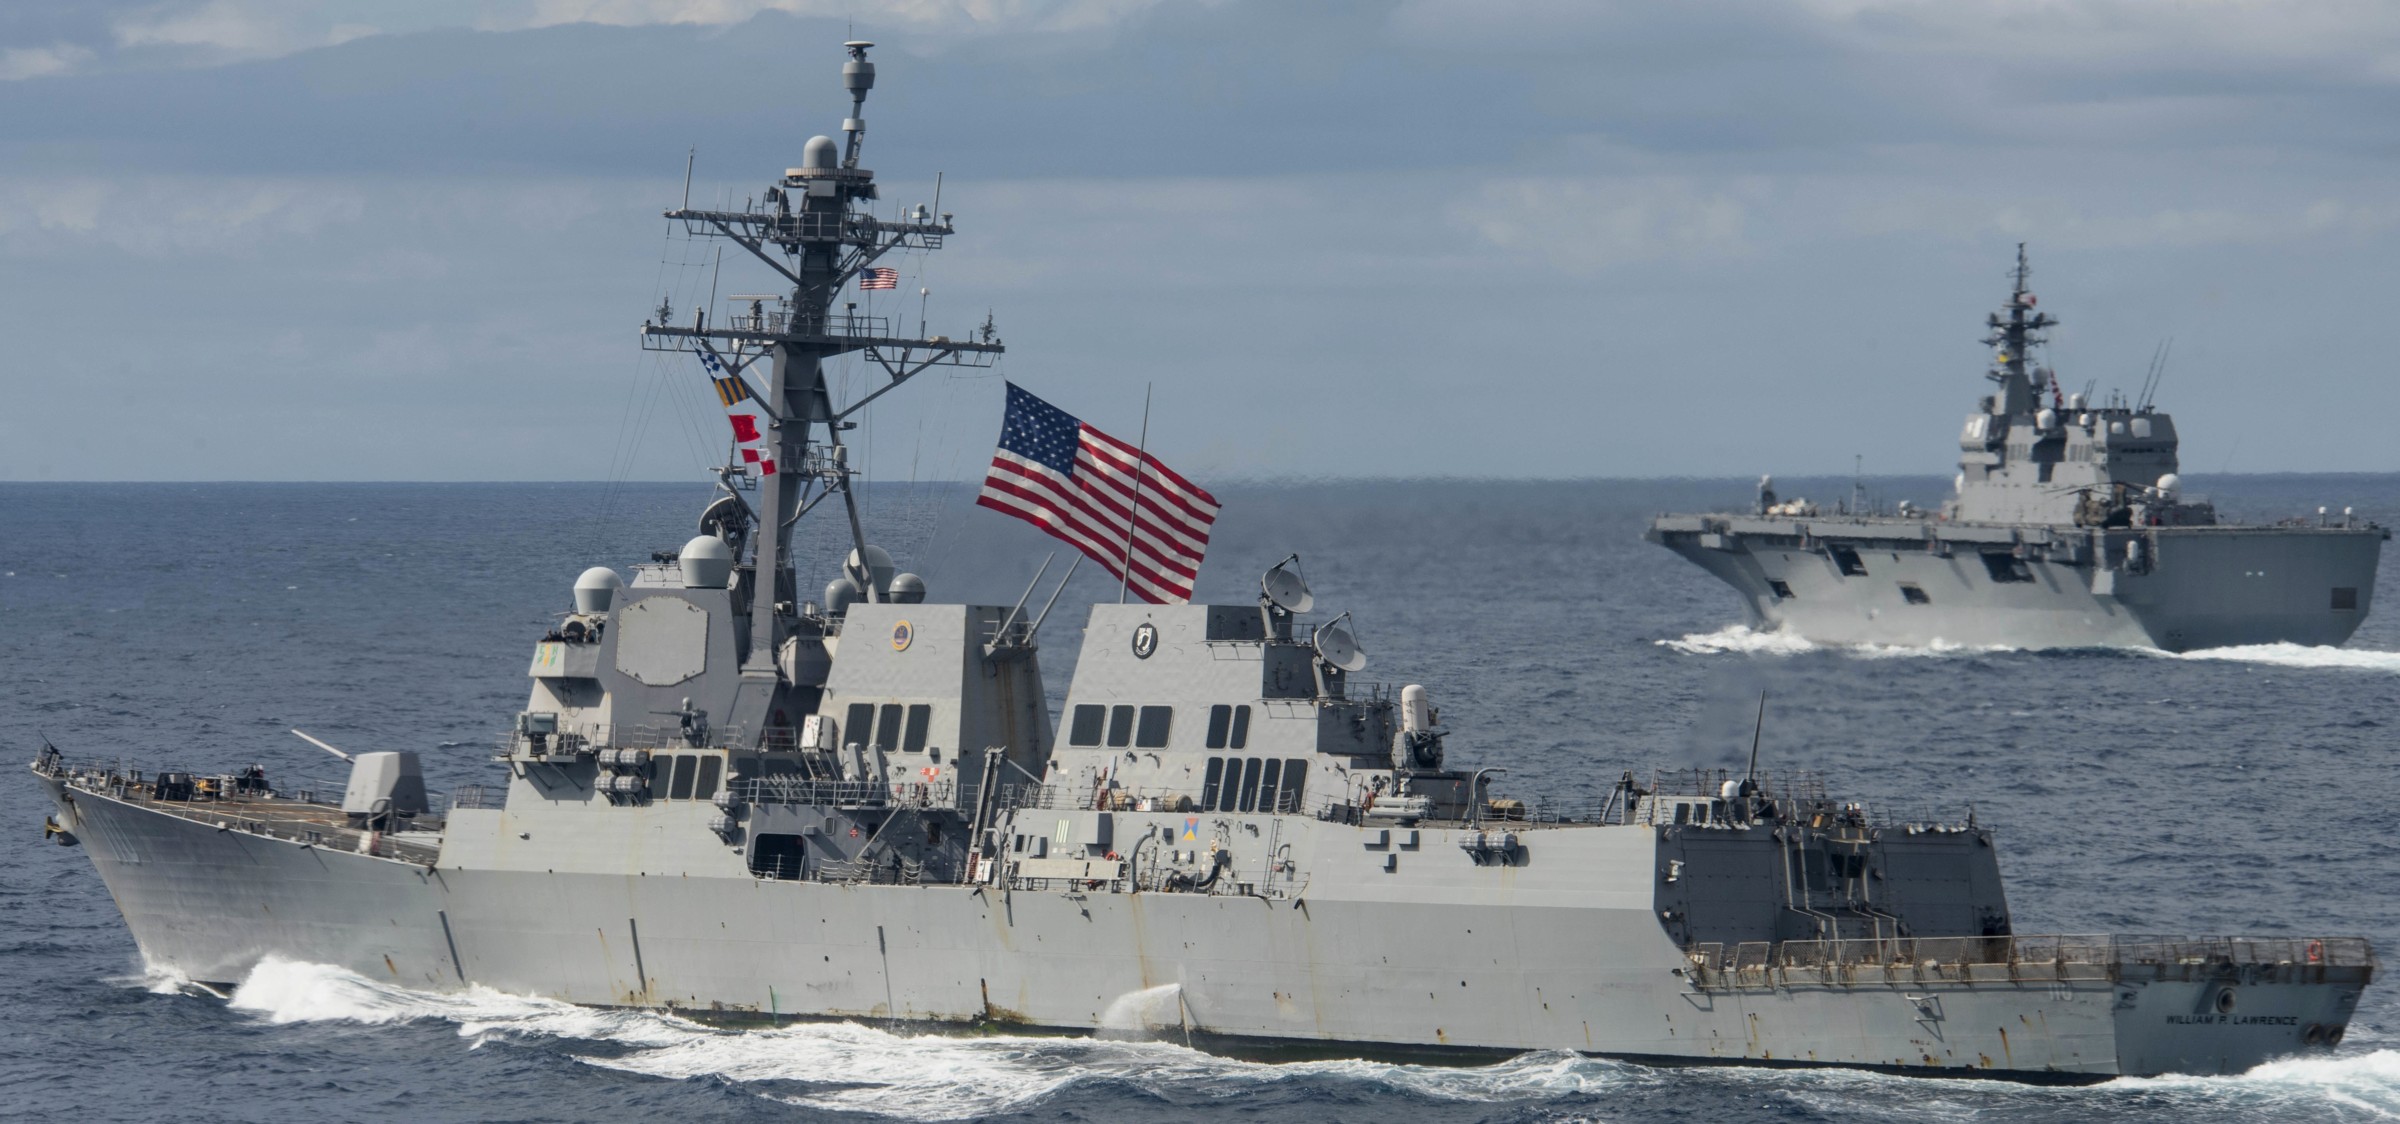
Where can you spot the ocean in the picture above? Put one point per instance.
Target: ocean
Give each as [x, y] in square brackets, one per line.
[2243, 791]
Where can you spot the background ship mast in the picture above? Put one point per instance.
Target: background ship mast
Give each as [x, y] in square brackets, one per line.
[2014, 337]
[812, 228]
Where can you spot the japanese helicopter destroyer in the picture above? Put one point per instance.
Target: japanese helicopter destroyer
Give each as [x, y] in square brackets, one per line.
[2069, 528]
[859, 808]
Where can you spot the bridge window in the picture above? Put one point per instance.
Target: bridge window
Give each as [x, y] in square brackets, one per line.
[1086, 728]
[1270, 778]
[887, 728]
[712, 769]
[1153, 731]
[1241, 729]
[1120, 726]
[860, 722]
[1211, 783]
[1249, 786]
[686, 767]
[920, 716]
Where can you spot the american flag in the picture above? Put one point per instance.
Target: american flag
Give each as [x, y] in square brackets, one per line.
[878, 277]
[1084, 487]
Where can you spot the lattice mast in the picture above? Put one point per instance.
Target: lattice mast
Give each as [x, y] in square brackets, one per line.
[813, 228]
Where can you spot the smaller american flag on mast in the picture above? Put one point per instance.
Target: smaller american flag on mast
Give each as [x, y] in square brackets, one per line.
[1112, 501]
[879, 277]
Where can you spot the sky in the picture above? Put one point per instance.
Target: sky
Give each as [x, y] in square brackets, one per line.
[254, 240]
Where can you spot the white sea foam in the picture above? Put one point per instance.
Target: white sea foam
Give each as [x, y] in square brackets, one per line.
[2297, 655]
[852, 1068]
[167, 981]
[1740, 638]
[1139, 1014]
[288, 991]
[2358, 1086]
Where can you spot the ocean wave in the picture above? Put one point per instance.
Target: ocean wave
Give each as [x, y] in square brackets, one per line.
[853, 1068]
[2295, 655]
[1741, 639]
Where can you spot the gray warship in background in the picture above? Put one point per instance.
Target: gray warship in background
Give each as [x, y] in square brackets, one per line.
[730, 802]
[2069, 529]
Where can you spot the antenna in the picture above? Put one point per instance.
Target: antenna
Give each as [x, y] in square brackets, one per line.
[2158, 371]
[1011, 618]
[1133, 511]
[1044, 615]
[1286, 589]
[1757, 732]
[688, 159]
[1337, 647]
[327, 748]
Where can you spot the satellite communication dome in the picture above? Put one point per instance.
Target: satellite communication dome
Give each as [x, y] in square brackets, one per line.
[707, 563]
[876, 574]
[840, 594]
[596, 588]
[820, 154]
[908, 589]
[2170, 485]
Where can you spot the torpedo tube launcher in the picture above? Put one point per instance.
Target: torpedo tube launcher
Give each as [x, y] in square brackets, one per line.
[730, 802]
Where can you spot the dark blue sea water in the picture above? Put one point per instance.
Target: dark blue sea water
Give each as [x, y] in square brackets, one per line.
[2250, 791]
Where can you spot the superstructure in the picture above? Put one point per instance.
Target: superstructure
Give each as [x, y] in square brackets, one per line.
[2068, 527]
[735, 798]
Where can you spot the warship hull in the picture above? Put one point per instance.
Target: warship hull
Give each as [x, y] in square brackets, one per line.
[1911, 582]
[1402, 950]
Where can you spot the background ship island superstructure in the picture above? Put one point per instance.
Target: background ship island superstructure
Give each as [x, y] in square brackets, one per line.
[2068, 528]
[733, 802]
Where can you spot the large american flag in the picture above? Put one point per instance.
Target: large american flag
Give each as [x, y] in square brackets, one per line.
[1088, 488]
[878, 277]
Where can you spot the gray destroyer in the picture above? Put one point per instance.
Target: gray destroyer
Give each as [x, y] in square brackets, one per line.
[732, 802]
[2069, 528]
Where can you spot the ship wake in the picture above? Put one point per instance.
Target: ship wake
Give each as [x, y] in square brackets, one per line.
[1741, 639]
[2299, 656]
[852, 1068]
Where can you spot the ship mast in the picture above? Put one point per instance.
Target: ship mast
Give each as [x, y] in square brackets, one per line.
[814, 229]
[2013, 338]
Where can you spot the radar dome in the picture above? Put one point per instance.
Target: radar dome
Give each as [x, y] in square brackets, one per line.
[820, 154]
[840, 594]
[707, 563]
[2170, 485]
[908, 589]
[596, 588]
[876, 574]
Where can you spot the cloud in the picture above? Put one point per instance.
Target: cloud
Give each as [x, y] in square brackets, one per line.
[19, 63]
[1580, 226]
